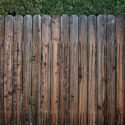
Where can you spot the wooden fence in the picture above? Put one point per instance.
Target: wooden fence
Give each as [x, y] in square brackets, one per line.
[62, 70]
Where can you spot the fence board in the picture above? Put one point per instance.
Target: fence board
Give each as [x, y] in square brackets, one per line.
[111, 69]
[1, 70]
[74, 69]
[101, 53]
[55, 70]
[92, 104]
[120, 88]
[17, 69]
[83, 65]
[8, 69]
[62, 70]
[36, 69]
[27, 62]
[64, 63]
[46, 39]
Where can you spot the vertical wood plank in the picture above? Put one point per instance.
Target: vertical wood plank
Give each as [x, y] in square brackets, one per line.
[92, 104]
[17, 69]
[111, 69]
[120, 87]
[45, 90]
[60, 83]
[83, 64]
[1, 69]
[74, 69]
[36, 68]
[64, 64]
[27, 62]
[101, 62]
[55, 69]
[8, 69]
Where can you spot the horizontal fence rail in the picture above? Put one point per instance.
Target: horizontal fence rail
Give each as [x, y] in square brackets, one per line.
[62, 70]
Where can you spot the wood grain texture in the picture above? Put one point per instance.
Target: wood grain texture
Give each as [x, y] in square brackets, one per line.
[55, 69]
[17, 69]
[92, 102]
[8, 69]
[83, 65]
[64, 70]
[111, 70]
[36, 69]
[101, 62]
[120, 87]
[45, 87]
[1, 70]
[74, 69]
[27, 63]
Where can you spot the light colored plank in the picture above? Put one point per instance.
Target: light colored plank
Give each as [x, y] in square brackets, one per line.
[92, 111]
[55, 69]
[17, 69]
[8, 69]
[45, 87]
[27, 62]
[64, 70]
[101, 62]
[1, 69]
[74, 69]
[46, 39]
[36, 68]
[120, 87]
[111, 69]
[83, 65]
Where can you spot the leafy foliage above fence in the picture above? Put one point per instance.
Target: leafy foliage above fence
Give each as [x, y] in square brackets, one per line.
[62, 6]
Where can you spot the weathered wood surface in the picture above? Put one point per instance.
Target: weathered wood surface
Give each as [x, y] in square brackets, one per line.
[27, 63]
[17, 69]
[111, 70]
[120, 86]
[83, 66]
[36, 69]
[92, 82]
[45, 86]
[8, 69]
[73, 46]
[101, 62]
[62, 70]
[55, 70]
[1, 70]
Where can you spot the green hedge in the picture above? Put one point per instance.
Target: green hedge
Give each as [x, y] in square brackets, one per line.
[53, 7]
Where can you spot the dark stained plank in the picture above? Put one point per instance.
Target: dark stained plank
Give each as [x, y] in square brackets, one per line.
[64, 70]
[120, 87]
[101, 62]
[45, 87]
[17, 69]
[1, 69]
[92, 102]
[111, 70]
[55, 70]
[8, 69]
[36, 69]
[74, 69]
[27, 63]
[83, 65]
